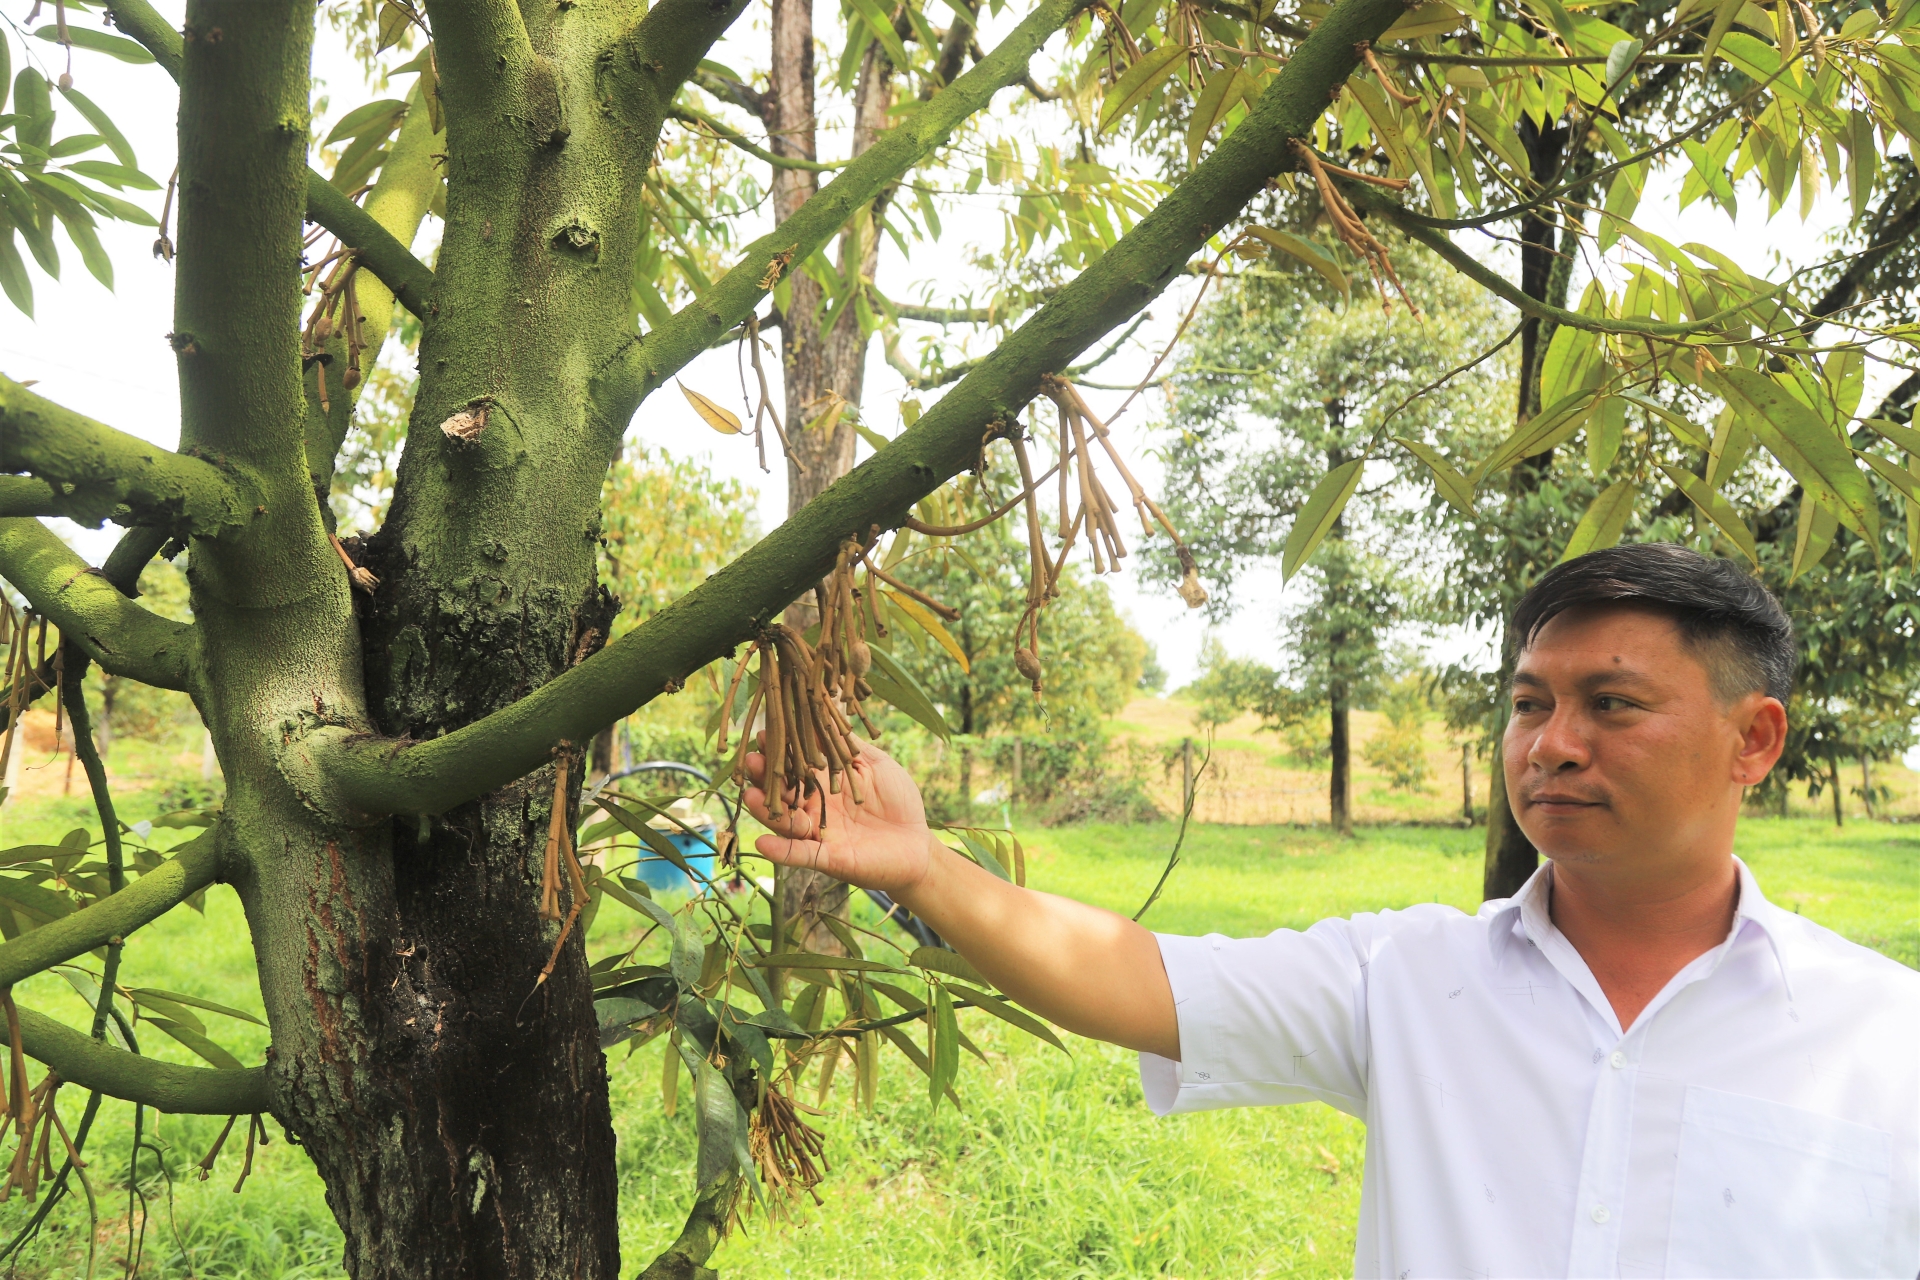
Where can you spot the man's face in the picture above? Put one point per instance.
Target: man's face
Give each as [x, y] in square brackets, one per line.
[1618, 751]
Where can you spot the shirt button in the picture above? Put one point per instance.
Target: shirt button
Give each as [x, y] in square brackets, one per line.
[1600, 1213]
[1618, 1059]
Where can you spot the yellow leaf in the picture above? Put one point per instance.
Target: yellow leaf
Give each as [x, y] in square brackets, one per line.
[710, 413]
[924, 619]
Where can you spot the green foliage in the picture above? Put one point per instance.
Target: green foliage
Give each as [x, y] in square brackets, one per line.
[666, 524]
[1399, 748]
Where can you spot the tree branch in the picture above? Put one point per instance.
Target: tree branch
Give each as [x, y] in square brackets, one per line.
[379, 251]
[409, 278]
[193, 867]
[387, 776]
[644, 363]
[726, 133]
[94, 1064]
[1498, 285]
[482, 48]
[91, 469]
[26, 496]
[112, 630]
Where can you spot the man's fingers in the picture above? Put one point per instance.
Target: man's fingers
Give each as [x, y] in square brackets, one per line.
[789, 852]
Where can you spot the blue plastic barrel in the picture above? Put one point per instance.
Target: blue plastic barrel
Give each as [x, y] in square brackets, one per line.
[662, 876]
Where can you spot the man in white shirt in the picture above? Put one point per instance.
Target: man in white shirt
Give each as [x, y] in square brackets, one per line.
[1636, 1066]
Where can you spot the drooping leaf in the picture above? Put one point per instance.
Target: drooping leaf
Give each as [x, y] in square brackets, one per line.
[100, 42]
[814, 960]
[713, 1105]
[1316, 519]
[1225, 88]
[712, 414]
[104, 126]
[1716, 509]
[1543, 431]
[1893, 473]
[1012, 1015]
[1808, 448]
[225, 1011]
[118, 175]
[1601, 526]
[1908, 438]
[197, 1041]
[924, 619]
[1138, 81]
[951, 963]
[1306, 251]
[896, 686]
[378, 118]
[1723, 17]
[1812, 534]
[1604, 432]
[943, 1044]
[1684, 428]
[687, 954]
[13, 271]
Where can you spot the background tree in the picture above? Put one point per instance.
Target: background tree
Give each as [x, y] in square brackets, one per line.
[1285, 382]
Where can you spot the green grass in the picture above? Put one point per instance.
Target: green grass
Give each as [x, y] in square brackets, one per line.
[1055, 1169]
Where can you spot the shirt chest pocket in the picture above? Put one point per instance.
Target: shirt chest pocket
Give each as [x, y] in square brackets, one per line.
[1762, 1189]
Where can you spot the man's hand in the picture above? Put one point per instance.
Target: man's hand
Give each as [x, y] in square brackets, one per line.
[880, 842]
[1088, 970]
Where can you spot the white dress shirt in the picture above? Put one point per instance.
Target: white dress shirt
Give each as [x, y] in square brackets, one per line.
[1760, 1118]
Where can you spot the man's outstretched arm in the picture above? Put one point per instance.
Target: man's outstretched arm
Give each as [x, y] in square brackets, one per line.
[1093, 972]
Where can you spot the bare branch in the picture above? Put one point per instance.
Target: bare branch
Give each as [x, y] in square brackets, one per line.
[390, 776]
[112, 630]
[193, 867]
[379, 251]
[91, 469]
[726, 133]
[94, 1064]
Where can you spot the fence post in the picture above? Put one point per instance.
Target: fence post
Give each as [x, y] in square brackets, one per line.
[1466, 784]
[1186, 773]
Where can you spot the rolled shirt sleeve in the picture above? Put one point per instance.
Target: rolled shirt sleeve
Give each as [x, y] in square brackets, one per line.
[1264, 1021]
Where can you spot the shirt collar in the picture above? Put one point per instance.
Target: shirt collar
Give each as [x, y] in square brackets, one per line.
[1525, 917]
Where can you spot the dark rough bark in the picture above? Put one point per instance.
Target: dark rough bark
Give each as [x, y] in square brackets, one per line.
[1340, 743]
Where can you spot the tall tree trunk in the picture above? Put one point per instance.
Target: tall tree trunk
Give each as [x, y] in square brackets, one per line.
[1546, 274]
[1866, 785]
[1833, 778]
[1466, 782]
[819, 366]
[1339, 742]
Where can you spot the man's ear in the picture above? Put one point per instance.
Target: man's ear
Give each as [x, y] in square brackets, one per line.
[1762, 723]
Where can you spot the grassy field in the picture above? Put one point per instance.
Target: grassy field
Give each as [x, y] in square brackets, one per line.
[1054, 1169]
[1255, 779]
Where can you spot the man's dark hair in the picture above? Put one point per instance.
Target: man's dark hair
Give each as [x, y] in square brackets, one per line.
[1731, 622]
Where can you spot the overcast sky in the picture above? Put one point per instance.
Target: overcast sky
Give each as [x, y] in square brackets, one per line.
[104, 354]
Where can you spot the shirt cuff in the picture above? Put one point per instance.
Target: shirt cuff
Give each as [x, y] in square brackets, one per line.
[1170, 1086]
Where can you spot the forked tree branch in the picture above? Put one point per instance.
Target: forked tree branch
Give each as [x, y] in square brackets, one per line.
[646, 362]
[115, 632]
[192, 867]
[386, 776]
[93, 1064]
[410, 279]
[94, 468]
